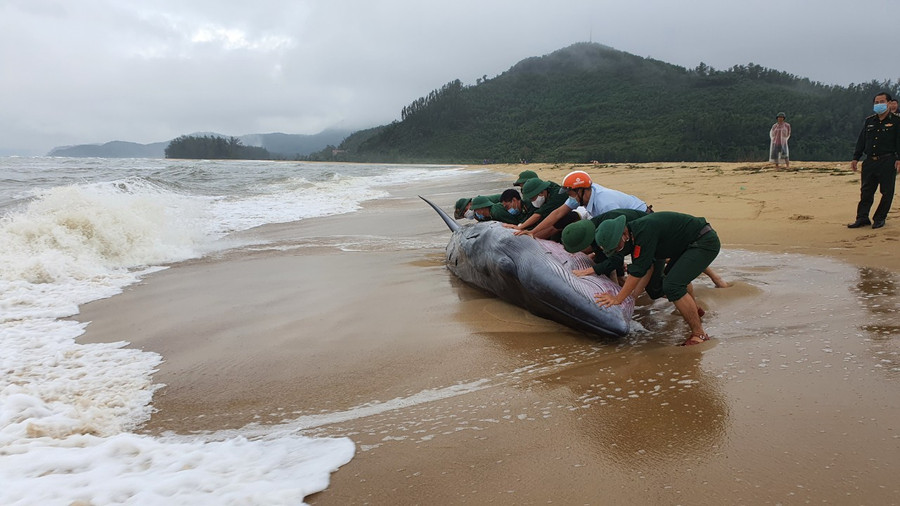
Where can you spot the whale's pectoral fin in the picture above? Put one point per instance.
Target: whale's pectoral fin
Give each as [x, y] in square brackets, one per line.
[506, 266]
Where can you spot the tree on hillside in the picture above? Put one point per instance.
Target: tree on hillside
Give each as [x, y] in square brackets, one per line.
[212, 147]
[443, 94]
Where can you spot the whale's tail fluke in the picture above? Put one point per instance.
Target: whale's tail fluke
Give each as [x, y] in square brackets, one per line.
[454, 226]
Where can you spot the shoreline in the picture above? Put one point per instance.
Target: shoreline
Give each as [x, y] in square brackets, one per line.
[751, 205]
[352, 326]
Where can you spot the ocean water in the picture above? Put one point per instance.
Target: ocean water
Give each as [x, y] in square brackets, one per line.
[804, 357]
[77, 230]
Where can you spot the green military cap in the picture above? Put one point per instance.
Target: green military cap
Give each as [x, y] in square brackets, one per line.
[609, 233]
[461, 207]
[525, 175]
[534, 186]
[481, 202]
[578, 236]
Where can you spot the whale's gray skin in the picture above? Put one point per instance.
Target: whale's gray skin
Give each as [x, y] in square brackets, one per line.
[534, 274]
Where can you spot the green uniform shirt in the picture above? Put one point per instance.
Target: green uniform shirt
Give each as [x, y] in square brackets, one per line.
[496, 200]
[660, 235]
[606, 264]
[507, 217]
[554, 200]
[527, 210]
[499, 213]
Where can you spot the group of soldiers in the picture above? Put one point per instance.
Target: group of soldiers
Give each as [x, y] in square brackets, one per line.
[668, 249]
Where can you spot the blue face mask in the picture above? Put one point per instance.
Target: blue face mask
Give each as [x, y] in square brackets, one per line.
[513, 211]
[880, 108]
[481, 218]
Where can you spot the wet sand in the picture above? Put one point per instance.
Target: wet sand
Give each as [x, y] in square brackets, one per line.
[351, 326]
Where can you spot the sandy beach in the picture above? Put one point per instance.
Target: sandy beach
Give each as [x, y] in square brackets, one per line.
[801, 210]
[351, 326]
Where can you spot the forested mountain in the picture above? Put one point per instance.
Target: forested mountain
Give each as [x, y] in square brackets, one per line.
[591, 102]
[279, 145]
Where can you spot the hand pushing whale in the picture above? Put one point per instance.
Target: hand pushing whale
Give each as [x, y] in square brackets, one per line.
[534, 274]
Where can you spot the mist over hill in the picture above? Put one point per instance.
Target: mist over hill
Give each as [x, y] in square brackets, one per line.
[288, 146]
[588, 102]
[592, 102]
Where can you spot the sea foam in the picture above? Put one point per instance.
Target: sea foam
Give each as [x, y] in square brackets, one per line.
[68, 410]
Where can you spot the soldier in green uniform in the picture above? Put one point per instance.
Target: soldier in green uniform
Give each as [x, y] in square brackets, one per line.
[880, 141]
[517, 207]
[580, 236]
[462, 209]
[688, 242]
[525, 175]
[486, 210]
[545, 197]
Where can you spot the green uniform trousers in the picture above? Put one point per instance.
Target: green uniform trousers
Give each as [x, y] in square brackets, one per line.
[690, 264]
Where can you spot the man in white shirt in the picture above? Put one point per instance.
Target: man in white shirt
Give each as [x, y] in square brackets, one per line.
[594, 198]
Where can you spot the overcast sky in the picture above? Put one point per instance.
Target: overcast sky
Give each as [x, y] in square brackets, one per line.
[92, 71]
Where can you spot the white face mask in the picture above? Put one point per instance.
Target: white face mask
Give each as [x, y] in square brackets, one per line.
[469, 215]
[538, 201]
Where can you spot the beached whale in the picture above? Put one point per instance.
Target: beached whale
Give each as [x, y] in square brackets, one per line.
[534, 274]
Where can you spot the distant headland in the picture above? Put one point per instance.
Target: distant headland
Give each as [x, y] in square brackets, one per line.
[278, 145]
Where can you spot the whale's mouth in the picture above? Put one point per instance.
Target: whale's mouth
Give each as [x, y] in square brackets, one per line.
[588, 326]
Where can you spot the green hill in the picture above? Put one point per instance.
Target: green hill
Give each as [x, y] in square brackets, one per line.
[591, 102]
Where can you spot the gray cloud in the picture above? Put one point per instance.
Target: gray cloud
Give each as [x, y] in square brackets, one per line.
[97, 70]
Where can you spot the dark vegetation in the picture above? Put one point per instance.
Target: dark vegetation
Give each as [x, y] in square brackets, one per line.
[591, 102]
[212, 147]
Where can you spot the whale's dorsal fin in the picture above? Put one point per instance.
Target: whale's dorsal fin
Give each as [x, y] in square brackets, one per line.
[454, 226]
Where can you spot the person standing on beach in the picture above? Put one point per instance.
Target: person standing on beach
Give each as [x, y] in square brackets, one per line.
[879, 140]
[688, 242]
[596, 199]
[778, 141]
